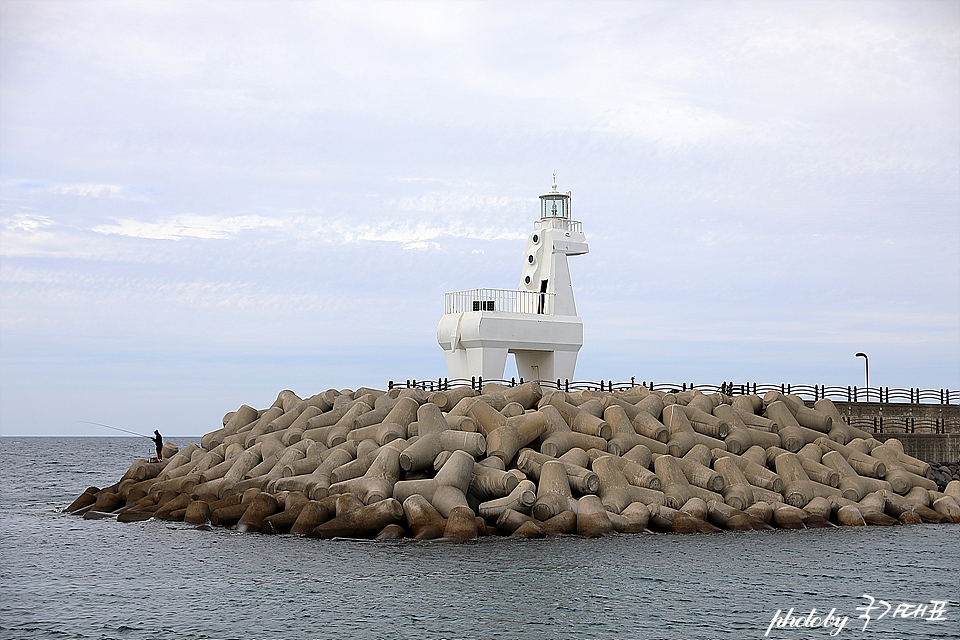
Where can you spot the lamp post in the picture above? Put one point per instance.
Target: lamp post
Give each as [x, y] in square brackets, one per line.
[866, 364]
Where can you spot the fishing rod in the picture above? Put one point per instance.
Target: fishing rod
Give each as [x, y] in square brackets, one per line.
[116, 429]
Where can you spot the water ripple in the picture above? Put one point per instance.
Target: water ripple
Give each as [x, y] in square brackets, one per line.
[62, 577]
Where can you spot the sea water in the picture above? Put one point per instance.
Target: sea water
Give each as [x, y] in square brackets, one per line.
[65, 577]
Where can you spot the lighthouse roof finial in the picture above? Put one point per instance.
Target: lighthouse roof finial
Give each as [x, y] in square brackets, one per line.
[554, 181]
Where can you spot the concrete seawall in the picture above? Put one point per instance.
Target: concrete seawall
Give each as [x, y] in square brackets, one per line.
[929, 432]
[927, 446]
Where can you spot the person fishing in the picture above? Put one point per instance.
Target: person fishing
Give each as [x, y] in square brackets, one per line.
[158, 440]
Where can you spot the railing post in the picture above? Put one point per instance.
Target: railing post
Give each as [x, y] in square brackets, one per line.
[855, 399]
[389, 385]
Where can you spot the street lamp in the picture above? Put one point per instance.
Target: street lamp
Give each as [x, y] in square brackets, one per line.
[866, 364]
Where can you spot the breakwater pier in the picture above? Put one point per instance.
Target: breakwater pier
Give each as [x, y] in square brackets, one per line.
[529, 461]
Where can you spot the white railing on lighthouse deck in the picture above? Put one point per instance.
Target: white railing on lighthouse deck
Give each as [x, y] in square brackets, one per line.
[564, 224]
[507, 300]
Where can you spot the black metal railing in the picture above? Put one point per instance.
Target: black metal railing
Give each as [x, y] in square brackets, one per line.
[900, 424]
[912, 395]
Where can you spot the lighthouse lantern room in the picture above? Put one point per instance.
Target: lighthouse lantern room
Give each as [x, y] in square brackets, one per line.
[538, 322]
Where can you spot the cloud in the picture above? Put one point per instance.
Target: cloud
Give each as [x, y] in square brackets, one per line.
[188, 226]
[87, 190]
[26, 223]
[421, 246]
[36, 235]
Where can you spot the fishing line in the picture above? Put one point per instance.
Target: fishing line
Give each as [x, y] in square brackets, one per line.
[115, 428]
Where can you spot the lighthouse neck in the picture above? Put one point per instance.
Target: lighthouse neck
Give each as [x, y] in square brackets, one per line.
[555, 236]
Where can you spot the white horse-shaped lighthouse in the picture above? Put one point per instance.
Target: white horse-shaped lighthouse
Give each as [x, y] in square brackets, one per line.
[538, 323]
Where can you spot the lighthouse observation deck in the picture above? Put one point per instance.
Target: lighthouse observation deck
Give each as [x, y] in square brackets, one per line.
[505, 300]
[571, 226]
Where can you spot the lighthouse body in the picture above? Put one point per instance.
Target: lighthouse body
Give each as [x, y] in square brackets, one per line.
[538, 322]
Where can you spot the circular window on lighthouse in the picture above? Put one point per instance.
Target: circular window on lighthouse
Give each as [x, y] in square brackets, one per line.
[530, 258]
[536, 238]
[526, 280]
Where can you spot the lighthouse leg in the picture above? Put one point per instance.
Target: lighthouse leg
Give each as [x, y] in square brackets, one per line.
[535, 365]
[457, 366]
[565, 362]
[489, 361]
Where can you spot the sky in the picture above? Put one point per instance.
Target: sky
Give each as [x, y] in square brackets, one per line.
[205, 203]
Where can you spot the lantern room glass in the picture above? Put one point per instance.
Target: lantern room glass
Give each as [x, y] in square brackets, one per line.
[555, 206]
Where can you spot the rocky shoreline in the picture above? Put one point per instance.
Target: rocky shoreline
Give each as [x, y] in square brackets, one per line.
[944, 473]
[525, 462]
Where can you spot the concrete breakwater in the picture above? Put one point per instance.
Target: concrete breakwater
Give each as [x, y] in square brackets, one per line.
[523, 462]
